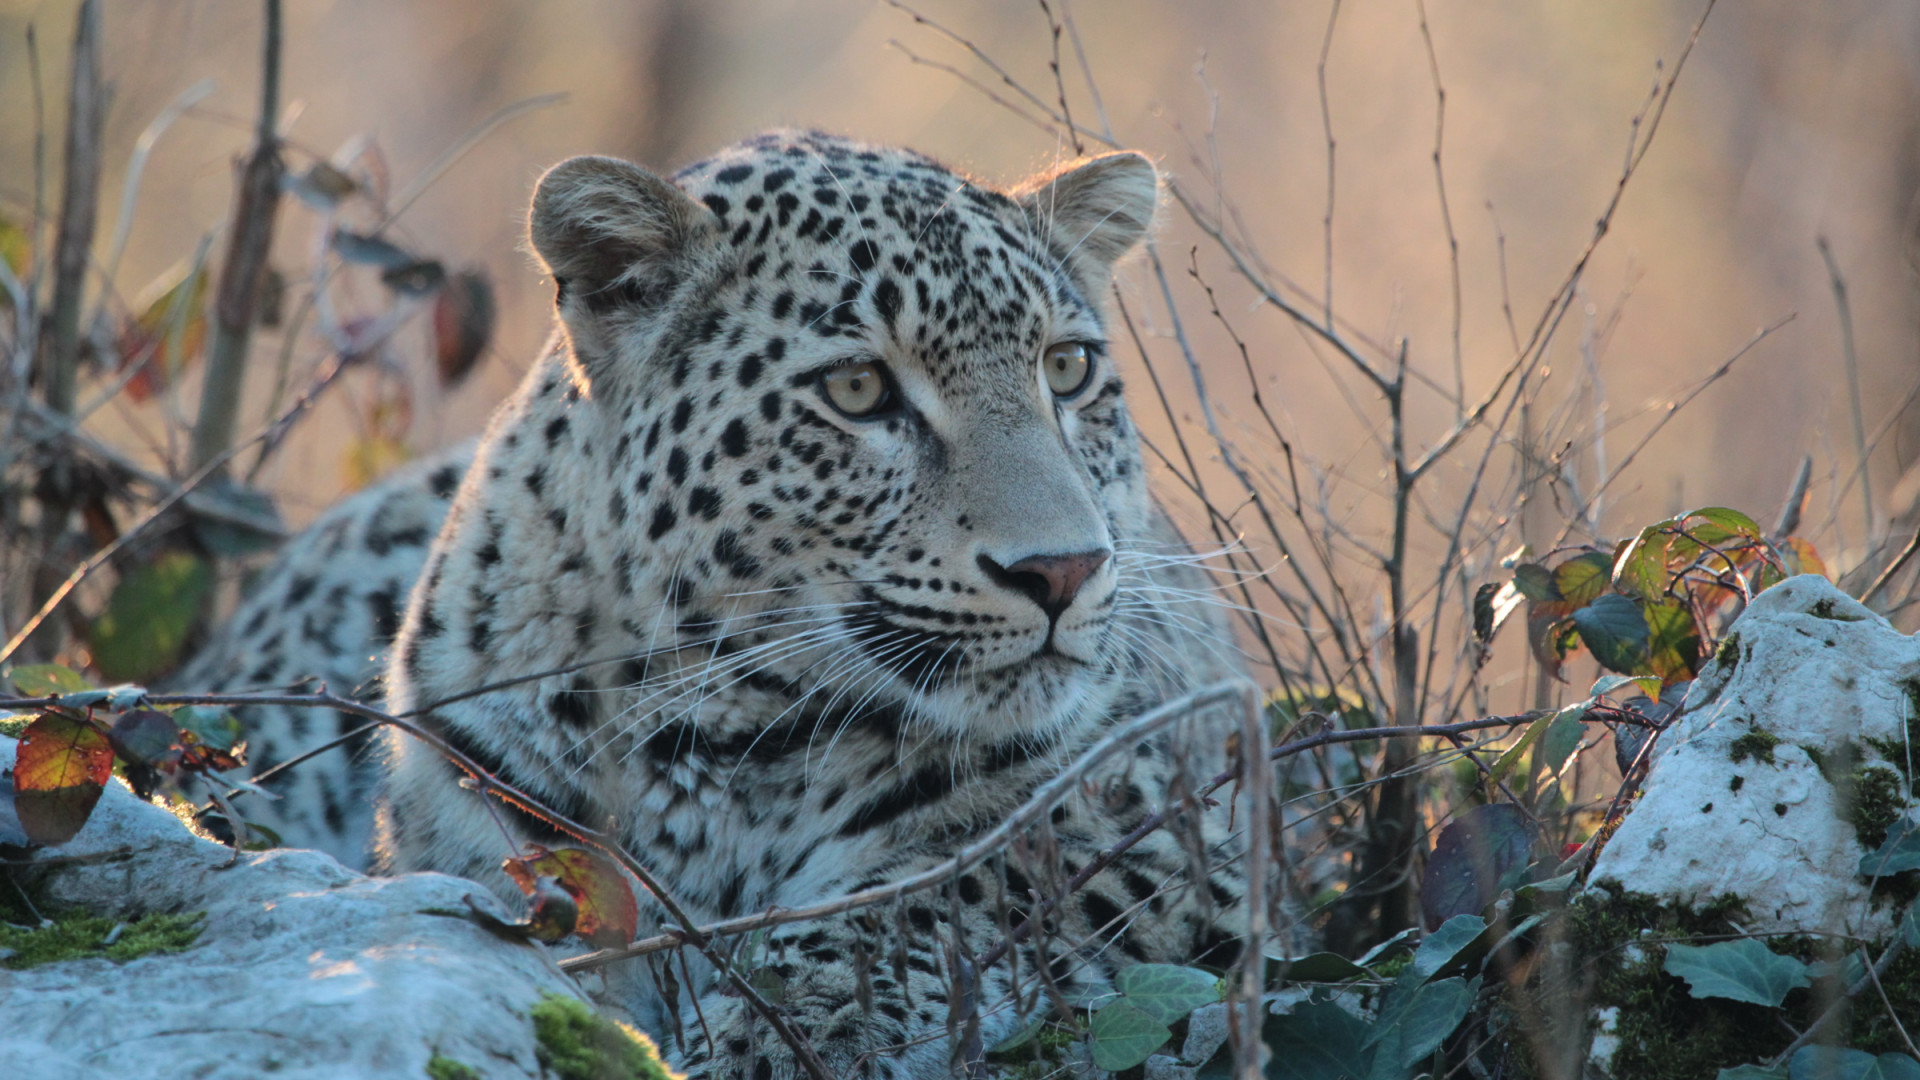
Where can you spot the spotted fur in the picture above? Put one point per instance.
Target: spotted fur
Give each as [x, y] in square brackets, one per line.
[784, 652]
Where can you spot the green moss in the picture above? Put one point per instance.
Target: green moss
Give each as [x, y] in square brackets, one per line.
[1757, 744]
[1728, 654]
[76, 937]
[14, 725]
[1904, 753]
[1872, 800]
[576, 1043]
[441, 1067]
[1664, 1032]
[1043, 1055]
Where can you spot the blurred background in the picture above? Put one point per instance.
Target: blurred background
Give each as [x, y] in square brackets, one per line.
[1792, 122]
[1748, 318]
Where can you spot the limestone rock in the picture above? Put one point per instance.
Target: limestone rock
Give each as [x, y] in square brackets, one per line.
[1794, 742]
[303, 968]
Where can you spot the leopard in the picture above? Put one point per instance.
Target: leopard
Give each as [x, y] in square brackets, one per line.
[814, 542]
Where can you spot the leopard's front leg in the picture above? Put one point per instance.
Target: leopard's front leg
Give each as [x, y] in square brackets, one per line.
[838, 984]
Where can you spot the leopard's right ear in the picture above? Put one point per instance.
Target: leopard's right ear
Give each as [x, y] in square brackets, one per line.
[616, 237]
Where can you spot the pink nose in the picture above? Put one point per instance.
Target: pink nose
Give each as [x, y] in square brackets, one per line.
[1051, 581]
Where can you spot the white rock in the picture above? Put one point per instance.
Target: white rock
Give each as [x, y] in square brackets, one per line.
[1812, 667]
[304, 968]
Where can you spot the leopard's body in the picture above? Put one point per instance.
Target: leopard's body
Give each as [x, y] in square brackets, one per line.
[786, 646]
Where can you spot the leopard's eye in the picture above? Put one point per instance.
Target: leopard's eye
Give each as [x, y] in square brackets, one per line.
[856, 389]
[1067, 367]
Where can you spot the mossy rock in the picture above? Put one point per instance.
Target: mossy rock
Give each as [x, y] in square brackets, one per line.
[1658, 1029]
[576, 1043]
[72, 936]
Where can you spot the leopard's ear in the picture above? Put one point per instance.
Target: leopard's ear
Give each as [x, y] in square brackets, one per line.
[1093, 211]
[616, 237]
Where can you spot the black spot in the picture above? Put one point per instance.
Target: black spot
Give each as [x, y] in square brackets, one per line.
[677, 465]
[682, 412]
[663, 520]
[733, 439]
[556, 428]
[703, 501]
[776, 180]
[770, 406]
[717, 204]
[865, 254]
[733, 174]
[443, 482]
[749, 372]
[887, 300]
[571, 709]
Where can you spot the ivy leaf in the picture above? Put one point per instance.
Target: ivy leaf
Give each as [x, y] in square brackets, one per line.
[143, 738]
[145, 626]
[1323, 967]
[1615, 632]
[1167, 992]
[1743, 970]
[1412, 1026]
[60, 769]
[1900, 852]
[1317, 1041]
[1471, 856]
[608, 914]
[1443, 946]
[43, 680]
[1837, 1063]
[1124, 1036]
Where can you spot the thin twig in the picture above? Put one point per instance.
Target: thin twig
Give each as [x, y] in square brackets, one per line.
[256, 204]
[1852, 362]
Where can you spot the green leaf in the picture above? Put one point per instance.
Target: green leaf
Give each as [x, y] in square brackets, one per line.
[214, 726]
[1583, 578]
[146, 622]
[1535, 582]
[1439, 948]
[1412, 1026]
[1751, 1072]
[1317, 1041]
[1615, 632]
[1123, 1036]
[1647, 684]
[1743, 970]
[1167, 992]
[40, 680]
[1324, 967]
[1733, 521]
[1471, 859]
[1836, 1063]
[1900, 852]
[1673, 640]
[1563, 738]
[1509, 759]
[1641, 567]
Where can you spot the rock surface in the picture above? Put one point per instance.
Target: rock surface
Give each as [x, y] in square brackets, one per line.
[303, 969]
[1810, 688]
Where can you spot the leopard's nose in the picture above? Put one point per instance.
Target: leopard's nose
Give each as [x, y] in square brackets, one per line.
[1051, 581]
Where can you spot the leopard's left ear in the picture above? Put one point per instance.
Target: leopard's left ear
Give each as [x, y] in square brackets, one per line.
[1093, 211]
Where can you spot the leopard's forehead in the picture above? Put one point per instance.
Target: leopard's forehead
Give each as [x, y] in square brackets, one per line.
[847, 240]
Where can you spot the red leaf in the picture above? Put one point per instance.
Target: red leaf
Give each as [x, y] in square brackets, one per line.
[462, 324]
[62, 766]
[609, 915]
